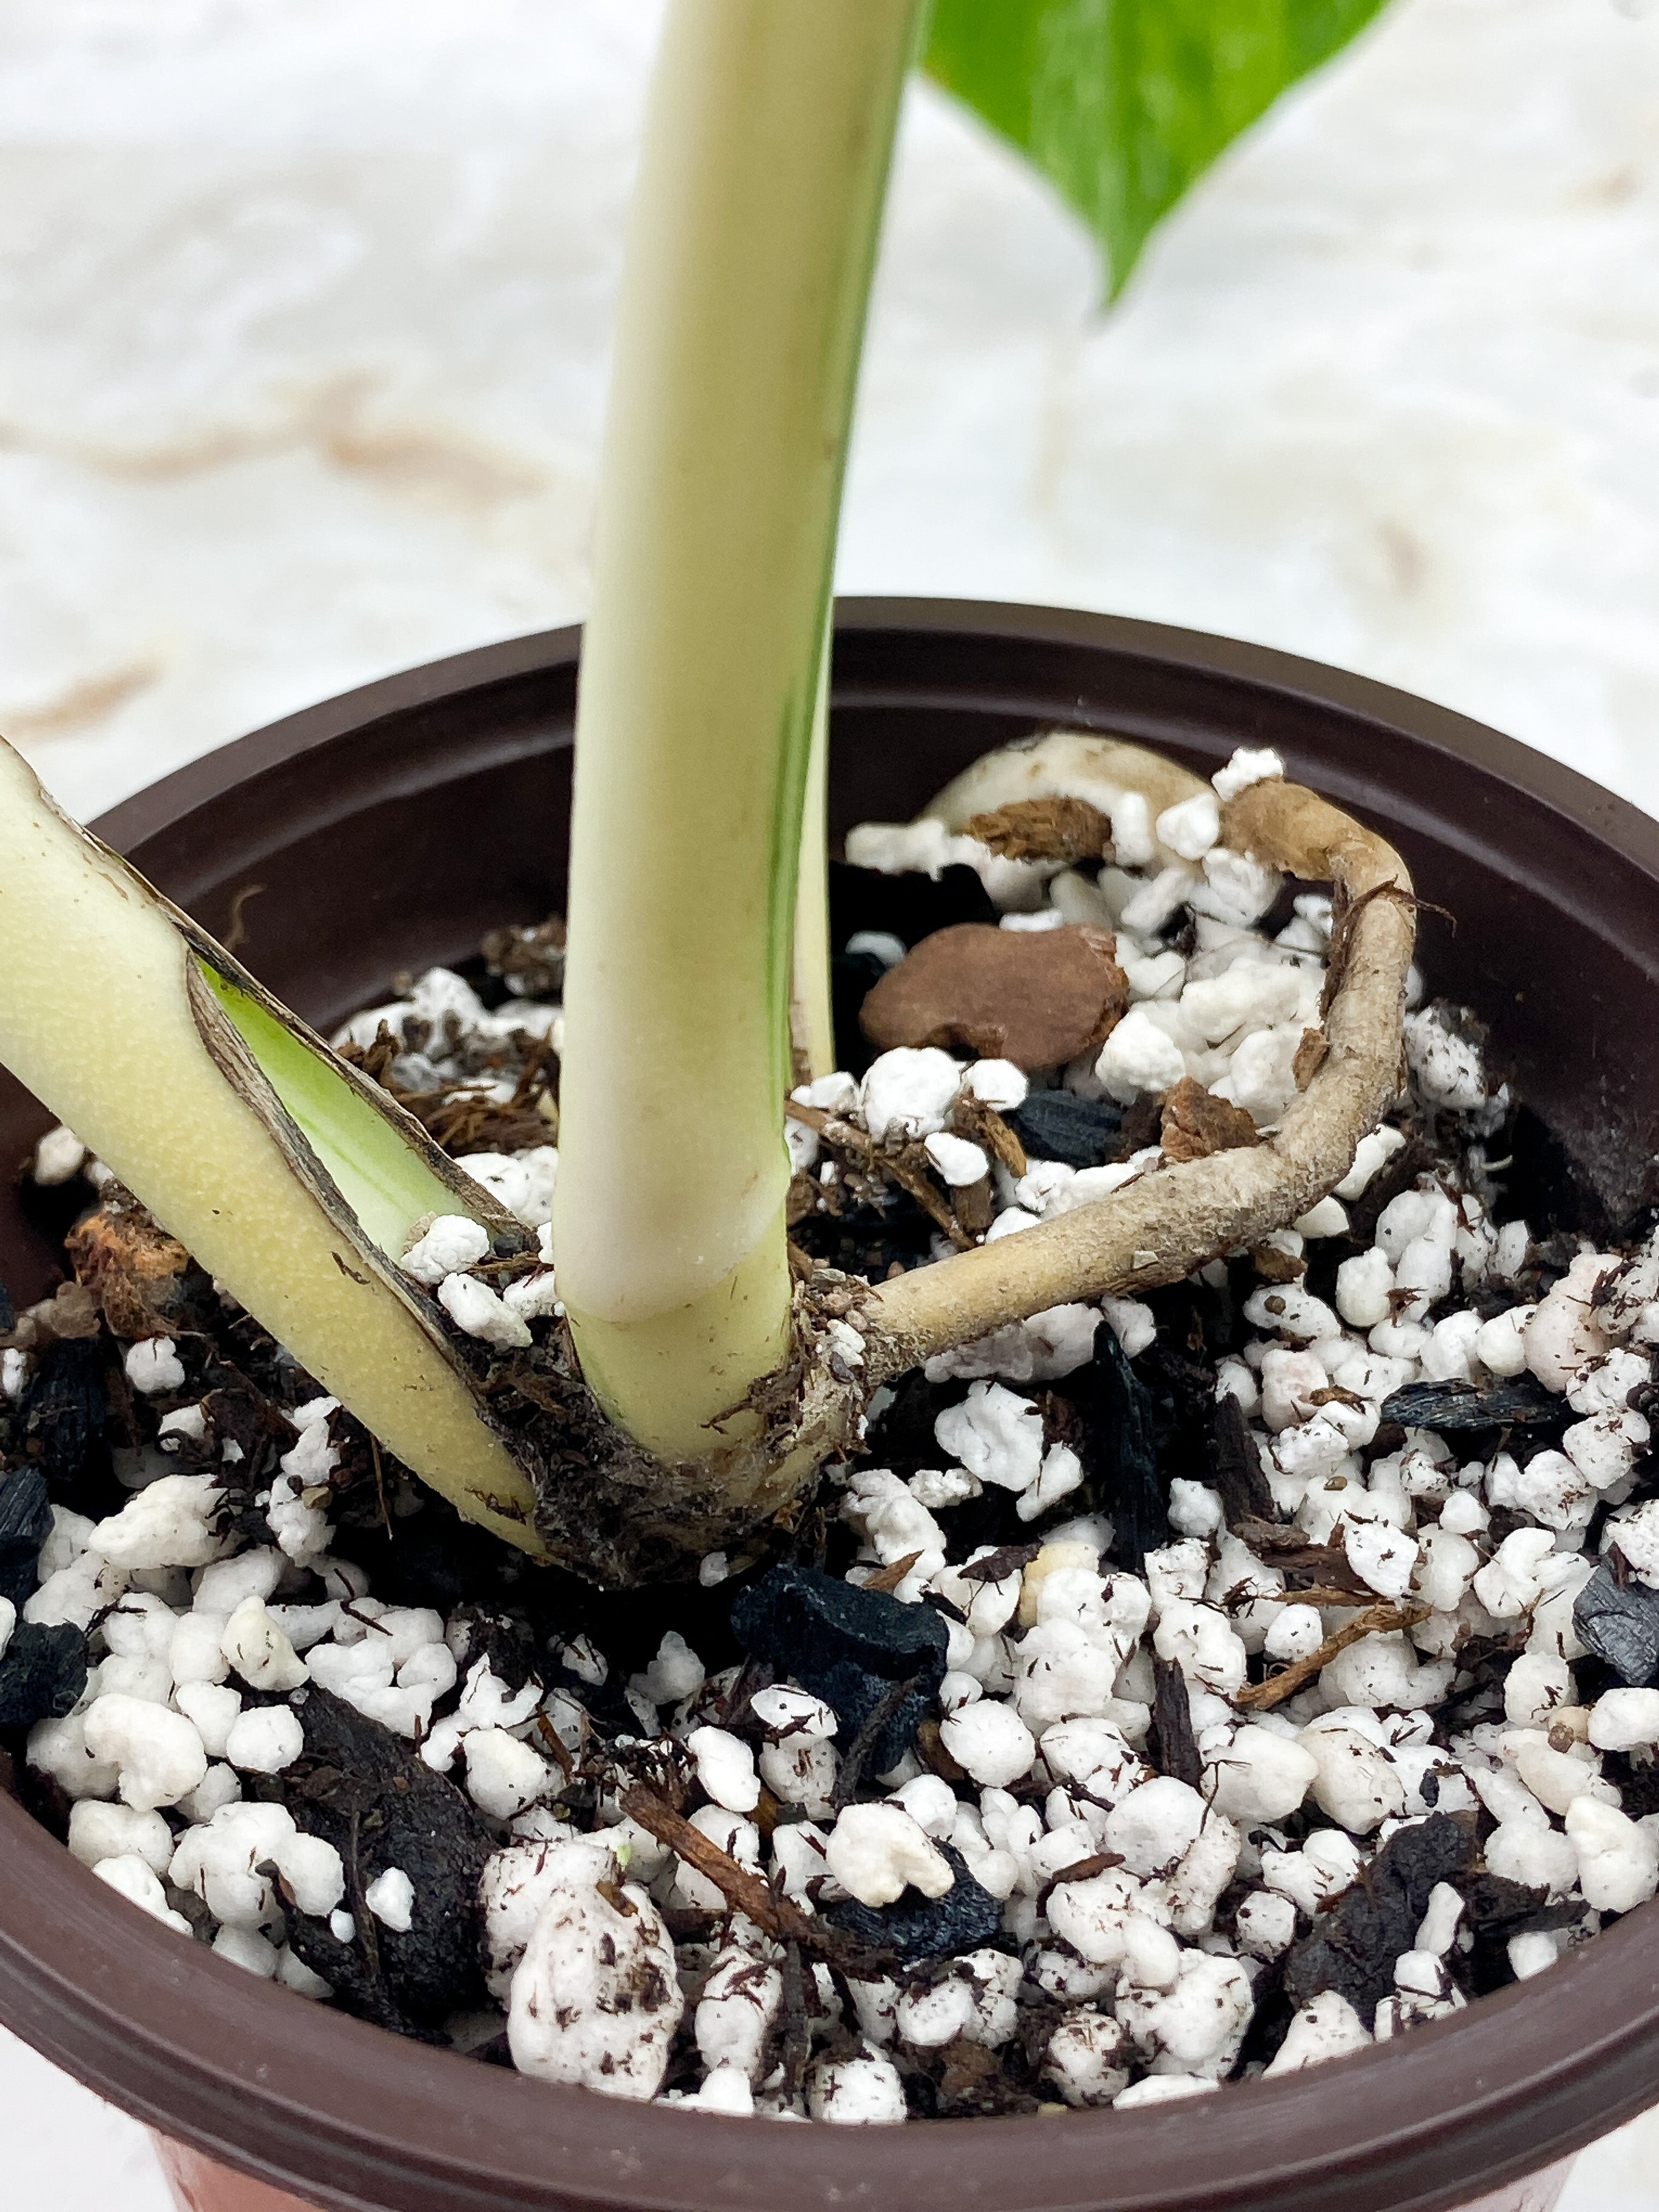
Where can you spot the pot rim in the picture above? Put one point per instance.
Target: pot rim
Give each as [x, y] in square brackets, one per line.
[307, 2098]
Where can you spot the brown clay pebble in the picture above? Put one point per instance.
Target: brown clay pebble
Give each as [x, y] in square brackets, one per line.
[1067, 830]
[1037, 997]
[1196, 1123]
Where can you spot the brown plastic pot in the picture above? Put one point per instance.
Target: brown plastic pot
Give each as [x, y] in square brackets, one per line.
[387, 829]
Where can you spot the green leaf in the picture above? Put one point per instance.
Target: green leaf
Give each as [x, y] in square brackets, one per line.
[1121, 104]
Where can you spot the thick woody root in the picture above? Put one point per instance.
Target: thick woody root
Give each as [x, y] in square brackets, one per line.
[618, 1514]
[1159, 1229]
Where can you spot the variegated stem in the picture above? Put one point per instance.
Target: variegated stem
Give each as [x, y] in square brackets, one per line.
[753, 231]
[290, 1178]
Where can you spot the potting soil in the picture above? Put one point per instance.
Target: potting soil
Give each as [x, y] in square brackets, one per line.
[1174, 1690]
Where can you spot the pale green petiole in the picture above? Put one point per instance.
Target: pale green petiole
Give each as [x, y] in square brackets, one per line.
[750, 248]
[291, 1178]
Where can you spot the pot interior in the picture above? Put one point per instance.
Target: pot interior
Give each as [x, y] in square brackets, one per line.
[388, 831]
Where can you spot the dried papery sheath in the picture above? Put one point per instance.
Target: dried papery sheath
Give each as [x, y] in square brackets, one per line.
[1074, 764]
[291, 1179]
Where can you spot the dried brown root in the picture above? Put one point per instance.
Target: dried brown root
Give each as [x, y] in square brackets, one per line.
[1162, 1227]
[777, 1915]
[1374, 1620]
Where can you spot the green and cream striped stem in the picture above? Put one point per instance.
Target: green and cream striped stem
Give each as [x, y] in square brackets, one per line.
[765, 153]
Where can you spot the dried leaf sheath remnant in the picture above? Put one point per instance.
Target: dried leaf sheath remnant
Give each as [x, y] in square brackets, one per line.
[1185, 1214]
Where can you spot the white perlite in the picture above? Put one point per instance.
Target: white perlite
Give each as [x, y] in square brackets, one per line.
[596, 1997]
[206, 1645]
[390, 1898]
[875, 1850]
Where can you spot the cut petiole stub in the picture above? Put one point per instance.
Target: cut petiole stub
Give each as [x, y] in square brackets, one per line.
[291, 1178]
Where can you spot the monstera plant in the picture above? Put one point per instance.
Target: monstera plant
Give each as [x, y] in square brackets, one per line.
[693, 1394]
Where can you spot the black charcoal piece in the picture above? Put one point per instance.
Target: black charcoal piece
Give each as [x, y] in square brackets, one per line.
[848, 1646]
[43, 1672]
[368, 1792]
[1355, 1941]
[1520, 1402]
[7, 1312]
[869, 1240]
[1057, 1125]
[901, 1435]
[919, 1927]
[63, 1409]
[1177, 1747]
[1619, 1622]
[853, 976]
[1180, 1387]
[1120, 1449]
[908, 907]
[1496, 1910]
[25, 1525]
[1236, 1465]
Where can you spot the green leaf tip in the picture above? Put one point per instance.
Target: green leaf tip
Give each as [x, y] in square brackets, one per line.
[1123, 104]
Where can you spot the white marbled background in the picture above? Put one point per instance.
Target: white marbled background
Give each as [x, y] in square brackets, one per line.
[304, 311]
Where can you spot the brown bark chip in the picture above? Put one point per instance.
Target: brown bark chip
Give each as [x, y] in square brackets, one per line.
[135, 1270]
[1310, 1057]
[1037, 997]
[972, 1206]
[972, 1118]
[1196, 1123]
[1068, 829]
[1275, 1264]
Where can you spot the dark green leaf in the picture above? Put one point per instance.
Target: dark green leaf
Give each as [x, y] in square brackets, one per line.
[1122, 103]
